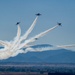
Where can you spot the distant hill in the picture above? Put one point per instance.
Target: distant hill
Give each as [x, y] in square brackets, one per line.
[52, 56]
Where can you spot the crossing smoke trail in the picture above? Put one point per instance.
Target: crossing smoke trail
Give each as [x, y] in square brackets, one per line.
[21, 44]
[27, 33]
[29, 30]
[11, 50]
[6, 51]
[37, 36]
[8, 44]
[39, 48]
[17, 49]
[4, 54]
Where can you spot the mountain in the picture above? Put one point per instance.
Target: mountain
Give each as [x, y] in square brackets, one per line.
[50, 56]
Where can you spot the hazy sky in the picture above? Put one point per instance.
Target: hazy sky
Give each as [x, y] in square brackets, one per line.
[53, 11]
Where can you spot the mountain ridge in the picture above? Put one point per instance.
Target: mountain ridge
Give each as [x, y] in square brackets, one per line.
[48, 56]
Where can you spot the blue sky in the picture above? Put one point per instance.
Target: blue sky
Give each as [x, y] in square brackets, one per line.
[52, 11]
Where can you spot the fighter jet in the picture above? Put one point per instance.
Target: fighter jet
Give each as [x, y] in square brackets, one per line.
[59, 24]
[38, 14]
[36, 38]
[17, 23]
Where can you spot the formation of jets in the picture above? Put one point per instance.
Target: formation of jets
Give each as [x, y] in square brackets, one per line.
[21, 44]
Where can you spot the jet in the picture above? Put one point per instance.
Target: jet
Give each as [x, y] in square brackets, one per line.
[38, 14]
[17, 23]
[36, 38]
[59, 24]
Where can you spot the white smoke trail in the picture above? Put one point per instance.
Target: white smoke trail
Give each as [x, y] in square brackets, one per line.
[27, 33]
[11, 50]
[5, 54]
[16, 39]
[17, 52]
[4, 43]
[29, 30]
[39, 49]
[40, 35]
[15, 47]
[8, 50]
[37, 36]
[12, 43]
[46, 48]
[65, 46]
